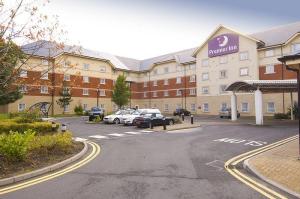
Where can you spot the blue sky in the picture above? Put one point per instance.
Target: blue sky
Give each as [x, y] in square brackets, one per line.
[146, 28]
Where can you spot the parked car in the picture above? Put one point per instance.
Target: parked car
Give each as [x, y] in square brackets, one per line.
[130, 118]
[94, 112]
[226, 113]
[157, 120]
[116, 118]
[180, 111]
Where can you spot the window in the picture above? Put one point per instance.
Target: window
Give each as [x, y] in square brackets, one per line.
[166, 70]
[66, 108]
[166, 108]
[204, 63]
[178, 92]
[85, 91]
[166, 82]
[21, 107]
[145, 84]
[222, 88]
[205, 90]
[223, 106]
[166, 93]
[179, 68]
[223, 59]
[192, 91]
[85, 107]
[66, 91]
[205, 107]
[270, 69]
[102, 81]
[154, 94]
[269, 53]
[44, 74]
[193, 107]
[244, 56]
[23, 88]
[193, 78]
[44, 89]
[101, 105]
[145, 94]
[23, 73]
[245, 107]
[102, 69]
[44, 62]
[192, 66]
[223, 74]
[101, 92]
[67, 77]
[271, 107]
[295, 48]
[178, 80]
[155, 83]
[86, 66]
[155, 72]
[205, 76]
[178, 106]
[86, 79]
[244, 71]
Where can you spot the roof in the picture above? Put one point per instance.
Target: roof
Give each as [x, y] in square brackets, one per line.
[267, 86]
[289, 57]
[277, 35]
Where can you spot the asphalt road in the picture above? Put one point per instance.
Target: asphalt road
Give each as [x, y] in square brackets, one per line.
[184, 164]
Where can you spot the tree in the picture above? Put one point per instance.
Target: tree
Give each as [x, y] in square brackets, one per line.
[65, 98]
[9, 58]
[121, 92]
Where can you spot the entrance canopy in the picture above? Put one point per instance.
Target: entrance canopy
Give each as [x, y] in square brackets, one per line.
[265, 86]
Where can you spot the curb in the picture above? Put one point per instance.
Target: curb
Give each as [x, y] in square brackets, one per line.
[247, 166]
[44, 170]
[181, 128]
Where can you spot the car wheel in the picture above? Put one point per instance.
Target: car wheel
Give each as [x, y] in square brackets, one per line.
[117, 121]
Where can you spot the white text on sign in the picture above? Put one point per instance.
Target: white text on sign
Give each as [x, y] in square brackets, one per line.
[238, 141]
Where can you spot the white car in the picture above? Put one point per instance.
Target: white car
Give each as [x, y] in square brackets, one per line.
[129, 119]
[116, 118]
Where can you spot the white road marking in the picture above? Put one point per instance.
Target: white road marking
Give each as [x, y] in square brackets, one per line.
[117, 134]
[133, 133]
[80, 139]
[238, 141]
[146, 131]
[216, 164]
[98, 136]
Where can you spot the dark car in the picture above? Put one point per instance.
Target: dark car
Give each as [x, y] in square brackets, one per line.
[156, 118]
[181, 111]
[226, 113]
[94, 112]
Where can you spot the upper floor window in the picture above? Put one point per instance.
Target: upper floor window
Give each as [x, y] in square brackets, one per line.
[296, 48]
[102, 81]
[145, 84]
[166, 93]
[154, 94]
[269, 53]
[192, 66]
[205, 90]
[178, 92]
[193, 78]
[86, 79]
[244, 56]
[145, 94]
[178, 80]
[44, 62]
[67, 77]
[44, 74]
[166, 70]
[155, 83]
[86, 66]
[66, 91]
[155, 72]
[205, 76]
[85, 91]
[223, 59]
[192, 91]
[223, 74]
[23, 88]
[101, 92]
[204, 62]
[166, 82]
[244, 71]
[270, 69]
[23, 73]
[222, 88]
[102, 69]
[44, 89]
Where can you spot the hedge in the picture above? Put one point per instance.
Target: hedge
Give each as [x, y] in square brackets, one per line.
[39, 127]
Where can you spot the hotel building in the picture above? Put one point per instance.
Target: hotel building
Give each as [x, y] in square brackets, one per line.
[194, 79]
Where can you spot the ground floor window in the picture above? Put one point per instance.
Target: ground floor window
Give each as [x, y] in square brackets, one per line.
[271, 107]
[245, 107]
[193, 107]
[166, 108]
[101, 105]
[85, 107]
[205, 107]
[223, 106]
[21, 107]
[66, 108]
[178, 106]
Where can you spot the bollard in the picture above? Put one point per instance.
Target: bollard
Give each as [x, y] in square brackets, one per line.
[63, 128]
[164, 123]
[192, 119]
[151, 123]
[182, 116]
[53, 126]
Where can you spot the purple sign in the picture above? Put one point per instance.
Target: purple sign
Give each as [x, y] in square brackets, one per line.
[223, 45]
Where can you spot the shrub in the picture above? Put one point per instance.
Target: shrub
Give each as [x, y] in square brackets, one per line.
[295, 110]
[26, 116]
[39, 127]
[78, 109]
[281, 116]
[14, 146]
[97, 119]
[177, 120]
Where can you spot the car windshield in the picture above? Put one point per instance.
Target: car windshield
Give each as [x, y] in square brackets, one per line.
[136, 113]
[95, 109]
[118, 112]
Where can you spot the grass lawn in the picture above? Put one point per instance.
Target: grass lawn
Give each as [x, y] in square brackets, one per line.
[3, 116]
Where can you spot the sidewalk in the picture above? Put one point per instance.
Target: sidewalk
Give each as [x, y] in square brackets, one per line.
[280, 165]
[184, 125]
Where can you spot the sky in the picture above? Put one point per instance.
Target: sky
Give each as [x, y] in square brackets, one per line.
[147, 28]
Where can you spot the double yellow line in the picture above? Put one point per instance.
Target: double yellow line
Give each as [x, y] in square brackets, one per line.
[95, 151]
[230, 166]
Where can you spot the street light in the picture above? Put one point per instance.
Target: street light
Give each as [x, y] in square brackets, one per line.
[98, 90]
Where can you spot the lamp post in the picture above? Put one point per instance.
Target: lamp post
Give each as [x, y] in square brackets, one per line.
[98, 90]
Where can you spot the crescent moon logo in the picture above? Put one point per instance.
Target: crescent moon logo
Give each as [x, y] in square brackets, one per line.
[224, 42]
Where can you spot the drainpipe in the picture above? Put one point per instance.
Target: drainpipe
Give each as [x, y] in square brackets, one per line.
[282, 78]
[184, 86]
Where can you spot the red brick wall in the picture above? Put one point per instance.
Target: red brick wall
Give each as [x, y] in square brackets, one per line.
[280, 73]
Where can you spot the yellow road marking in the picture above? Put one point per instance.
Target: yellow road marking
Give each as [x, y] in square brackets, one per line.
[247, 180]
[95, 151]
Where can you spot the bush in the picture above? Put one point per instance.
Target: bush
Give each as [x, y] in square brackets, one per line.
[281, 116]
[14, 146]
[295, 110]
[39, 127]
[78, 109]
[26, 116]
[177, 120]
[97, 119]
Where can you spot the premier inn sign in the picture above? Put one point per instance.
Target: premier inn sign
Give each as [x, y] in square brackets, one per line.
[223, 45]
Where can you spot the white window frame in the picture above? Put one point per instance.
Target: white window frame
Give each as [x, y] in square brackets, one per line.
[193, 107]
[166, 107]
[192, 66]
[66, 90]
[102, 92]
[166, 82]
[166, 70]
[145, 94]
[102, 81]
[66, 108]
[193, 91]
[244, 68]
[294, 47]
[193, 78]
[205, 88]
[245, 111]
[270, 69]
[155, 83]
[244, 55]
[21, 109]
[145, 84]
[268, 107]
[154, 94]
[178, 80]
[223, 59]
[178, 92]
[204, 75]
[222, 88]
[23, 88]
[23, 73]
[205, 62]
[67, 79]
[44, 89]
[222, 105]
[225, 72]
[166, 93]
[85, 107]
[269, 53]
[205, 108]
[45, 75]
[85, 91]
[86, 79]
[86, 66]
